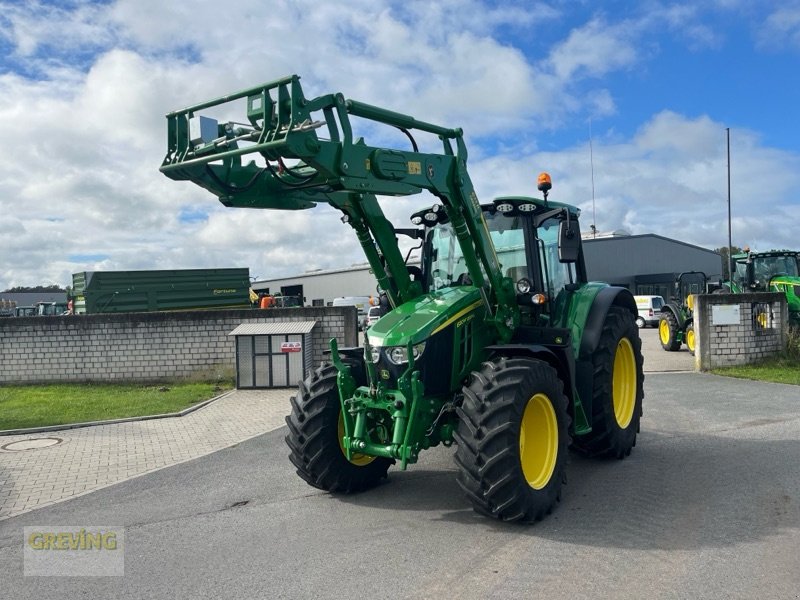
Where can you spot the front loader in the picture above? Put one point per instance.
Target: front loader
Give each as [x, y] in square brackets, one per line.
[497, 342]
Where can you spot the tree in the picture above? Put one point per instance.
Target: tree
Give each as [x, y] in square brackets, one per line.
[36, 289]
[723, 252]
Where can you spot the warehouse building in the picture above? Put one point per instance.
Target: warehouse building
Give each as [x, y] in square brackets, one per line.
[645, 264]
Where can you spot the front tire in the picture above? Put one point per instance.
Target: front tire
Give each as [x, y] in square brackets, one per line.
[512, 439]
[315, 439]
[691, 339]
[617, 389]
[668, 332]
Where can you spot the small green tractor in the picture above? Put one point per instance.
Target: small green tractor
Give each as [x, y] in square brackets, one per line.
[676, 325]
[497, 342]
[771, 271]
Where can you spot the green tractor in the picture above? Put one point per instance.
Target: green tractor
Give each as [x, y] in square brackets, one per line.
[497, 342]
[771, 271]
[676, 325]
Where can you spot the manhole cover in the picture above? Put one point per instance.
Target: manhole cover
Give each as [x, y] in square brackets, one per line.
[31, 444]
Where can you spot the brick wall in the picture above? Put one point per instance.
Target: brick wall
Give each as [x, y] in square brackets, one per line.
[147, 346]
[761, 330]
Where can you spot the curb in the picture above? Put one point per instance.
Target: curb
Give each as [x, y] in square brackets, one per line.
[68, 426]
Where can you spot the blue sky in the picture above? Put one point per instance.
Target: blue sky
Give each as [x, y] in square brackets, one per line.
[84, 87]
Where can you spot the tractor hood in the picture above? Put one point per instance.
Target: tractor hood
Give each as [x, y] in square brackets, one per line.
[419, 319]
[791, 287]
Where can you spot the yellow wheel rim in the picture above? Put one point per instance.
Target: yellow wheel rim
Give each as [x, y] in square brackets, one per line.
[358, 460]
[663, 331]
[690, 339]
[538, 441]
[624, 383]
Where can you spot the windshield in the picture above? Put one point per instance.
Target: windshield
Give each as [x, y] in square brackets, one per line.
[447, 266]
[658, 303]
[767, 267]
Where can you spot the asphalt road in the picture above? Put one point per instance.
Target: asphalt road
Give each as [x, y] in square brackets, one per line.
[658, 360]
[707, 506]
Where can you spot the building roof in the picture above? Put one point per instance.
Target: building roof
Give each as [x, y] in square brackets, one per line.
[31, 298]
[622, 239]
[274, 328]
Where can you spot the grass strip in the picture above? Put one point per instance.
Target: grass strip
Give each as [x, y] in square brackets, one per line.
[779, 370]
[23, 406]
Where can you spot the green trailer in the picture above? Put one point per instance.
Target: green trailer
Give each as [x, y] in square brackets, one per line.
[160, 290]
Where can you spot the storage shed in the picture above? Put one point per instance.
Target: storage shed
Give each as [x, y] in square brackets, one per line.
[268, 355]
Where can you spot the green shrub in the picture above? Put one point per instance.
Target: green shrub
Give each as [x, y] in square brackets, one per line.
[793, 344]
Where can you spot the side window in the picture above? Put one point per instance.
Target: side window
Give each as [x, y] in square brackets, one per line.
[555, 273]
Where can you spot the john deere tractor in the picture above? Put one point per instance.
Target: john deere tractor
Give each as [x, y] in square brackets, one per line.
[771, 271]
[497, 343]
[676, 325]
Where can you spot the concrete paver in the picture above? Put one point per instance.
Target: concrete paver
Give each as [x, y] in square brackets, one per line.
[91, 458]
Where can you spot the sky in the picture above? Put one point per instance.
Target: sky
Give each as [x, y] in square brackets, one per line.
[625, 104]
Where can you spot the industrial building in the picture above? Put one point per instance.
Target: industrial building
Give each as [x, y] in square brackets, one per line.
[645, 264]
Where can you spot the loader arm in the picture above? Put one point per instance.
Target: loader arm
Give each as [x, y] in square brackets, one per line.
[282, 125]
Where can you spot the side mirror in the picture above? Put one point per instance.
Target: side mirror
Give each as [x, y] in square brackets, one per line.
[569, 242]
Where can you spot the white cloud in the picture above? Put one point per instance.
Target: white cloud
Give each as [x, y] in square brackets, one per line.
[781, 28]
[84, 92]
[595, 49]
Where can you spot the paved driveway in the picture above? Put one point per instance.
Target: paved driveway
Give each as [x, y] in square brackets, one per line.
[658, 360]
[86, 459]
[707, 506]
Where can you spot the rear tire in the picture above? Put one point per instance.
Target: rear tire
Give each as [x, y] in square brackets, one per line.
[640, 323]
[617, 389]
[512, 439]
[314, 439]
[668, 332]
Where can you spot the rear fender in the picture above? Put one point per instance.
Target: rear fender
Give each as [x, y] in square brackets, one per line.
[676, 312]
[593, 326]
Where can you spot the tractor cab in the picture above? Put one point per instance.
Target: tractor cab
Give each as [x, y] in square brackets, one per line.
[686, 286]
[757, 271]
[532, 239]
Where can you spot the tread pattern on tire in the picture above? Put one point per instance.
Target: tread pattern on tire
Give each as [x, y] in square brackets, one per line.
[487, 455]
[672, 345]
[607, 438]
[313, 438]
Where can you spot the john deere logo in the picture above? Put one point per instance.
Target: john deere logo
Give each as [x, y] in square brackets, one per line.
[219, 292]
[465, 320]
[384, 374]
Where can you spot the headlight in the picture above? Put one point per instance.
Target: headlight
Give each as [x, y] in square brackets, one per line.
[399, 354]
[375, 354]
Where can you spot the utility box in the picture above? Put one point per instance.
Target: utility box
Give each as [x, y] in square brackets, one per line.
[270, 355]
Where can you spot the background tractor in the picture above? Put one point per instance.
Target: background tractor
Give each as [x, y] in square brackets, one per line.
[771, 271]
[497, 342]
[676, 325]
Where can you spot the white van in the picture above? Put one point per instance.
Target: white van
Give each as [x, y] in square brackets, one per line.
[649, 308]
[362, 303]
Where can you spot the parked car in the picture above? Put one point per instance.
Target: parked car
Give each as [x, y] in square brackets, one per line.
[649, 308]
